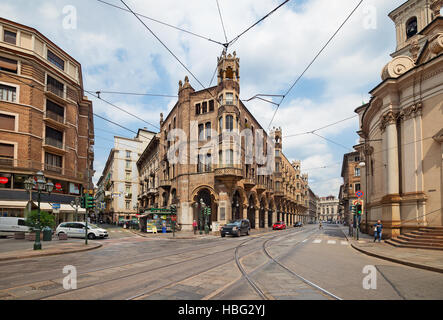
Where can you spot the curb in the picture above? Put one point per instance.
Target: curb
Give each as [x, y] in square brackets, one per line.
[43, 254]
[406, 263]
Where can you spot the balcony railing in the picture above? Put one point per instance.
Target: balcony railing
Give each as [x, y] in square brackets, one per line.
[52, 168]
[165, 183]
[54, 142]
[54, 116]
[55, 90]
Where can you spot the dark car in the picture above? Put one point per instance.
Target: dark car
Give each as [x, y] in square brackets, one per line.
[236, 228]
[298, 224]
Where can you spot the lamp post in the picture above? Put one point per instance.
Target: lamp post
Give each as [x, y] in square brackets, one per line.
[202, 221]
[42, 185]
[362, 164]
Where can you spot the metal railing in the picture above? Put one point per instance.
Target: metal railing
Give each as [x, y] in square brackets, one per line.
[51, 87]
[54, 142]
[54, 116]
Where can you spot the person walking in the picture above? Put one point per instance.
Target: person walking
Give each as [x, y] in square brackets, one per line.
[378, 229]
[320, 226]
[194, 226]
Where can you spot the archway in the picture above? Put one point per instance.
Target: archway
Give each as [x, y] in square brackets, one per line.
[236, 206]
[201, 200]
[251, 211]
[261, 216]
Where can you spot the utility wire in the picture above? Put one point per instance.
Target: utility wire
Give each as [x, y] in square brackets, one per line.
[223, 25]
[164, 45]
[163, 23]
[133, 93]
[256, 23]
[324, 127]
[121, 109]
[315, 58]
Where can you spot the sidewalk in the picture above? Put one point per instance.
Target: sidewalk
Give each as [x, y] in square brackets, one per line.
[431, 260]
[11, 249]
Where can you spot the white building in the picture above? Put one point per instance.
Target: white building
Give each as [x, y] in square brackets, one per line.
[328, 208]
[120, 177]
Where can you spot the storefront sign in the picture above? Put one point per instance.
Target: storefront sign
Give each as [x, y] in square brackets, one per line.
[58, 186]
[4, 180]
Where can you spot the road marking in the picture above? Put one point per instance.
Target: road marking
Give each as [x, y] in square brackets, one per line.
[316, 241]
[305, 240]
[361, 241]
[331, 242]
[344, 243]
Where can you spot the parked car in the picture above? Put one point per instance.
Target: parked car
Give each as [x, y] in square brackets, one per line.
[9, 225]
[77, 230]
[279, 225]
[236, 228]
[298, 224]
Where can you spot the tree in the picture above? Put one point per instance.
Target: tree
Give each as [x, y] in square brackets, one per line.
[46, 220]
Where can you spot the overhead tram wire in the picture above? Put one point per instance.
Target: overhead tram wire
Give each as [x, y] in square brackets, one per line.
[121, 109]
[230, 43]
[315, 58]
[163, 23]
[133, 93]
[223, 25]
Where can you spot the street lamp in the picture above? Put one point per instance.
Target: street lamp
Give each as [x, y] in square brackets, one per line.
[203, 221]
[41, 185]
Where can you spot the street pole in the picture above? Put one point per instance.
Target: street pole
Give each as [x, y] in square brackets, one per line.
[37, 243]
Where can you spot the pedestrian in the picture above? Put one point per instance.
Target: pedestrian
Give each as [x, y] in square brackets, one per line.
[320, 226]
[194, 226]
[378, 228]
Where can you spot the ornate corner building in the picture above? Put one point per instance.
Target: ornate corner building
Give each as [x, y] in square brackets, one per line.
[215, 168]
[401, 127]
[46, 123]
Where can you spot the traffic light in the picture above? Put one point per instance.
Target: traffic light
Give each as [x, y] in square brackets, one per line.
[358, 209]
[353, 209]
[173, 210]
[208, 211]
[83, 202]
[90, 203]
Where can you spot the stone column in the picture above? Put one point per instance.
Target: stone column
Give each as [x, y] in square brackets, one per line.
[391, 205]
[266, 218]
[245, 212]
[274, 216]
[257, 221]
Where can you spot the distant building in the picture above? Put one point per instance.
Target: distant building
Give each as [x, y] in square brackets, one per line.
[401, 135]
[149, 178]
[46, 122]
[313, 204]
[328, 207]
[351, 174]
[119, 183]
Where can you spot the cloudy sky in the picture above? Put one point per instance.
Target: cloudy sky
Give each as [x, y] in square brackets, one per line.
[118, 54]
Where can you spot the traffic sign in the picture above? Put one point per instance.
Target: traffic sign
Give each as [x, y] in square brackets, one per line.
[4, 180]
[359, 194]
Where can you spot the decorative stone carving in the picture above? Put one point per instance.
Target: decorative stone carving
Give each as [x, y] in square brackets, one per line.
[397, 67]
[436, 44]
[436, 7]
[388, 118]
[411, 111]
[414, 49]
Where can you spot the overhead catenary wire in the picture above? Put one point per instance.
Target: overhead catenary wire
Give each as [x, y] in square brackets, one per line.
[223, 25]
[133, 93]
[163, 23]
[313, 60]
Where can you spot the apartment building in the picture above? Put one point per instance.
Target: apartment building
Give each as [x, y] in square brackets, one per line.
[351, 174]
[46, 122]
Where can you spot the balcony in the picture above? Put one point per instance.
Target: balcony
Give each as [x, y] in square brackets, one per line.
[55, 119]
[278, 193]
[165, 183]
[55, 92]
[260, 187]
[228, 174]
[52, 168]
[54, 145]
[152, 191]
[249, 182]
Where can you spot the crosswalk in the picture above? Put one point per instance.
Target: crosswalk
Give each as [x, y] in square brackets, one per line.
[324, 241]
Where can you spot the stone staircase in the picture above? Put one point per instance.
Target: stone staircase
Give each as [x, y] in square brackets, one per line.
[423, 238]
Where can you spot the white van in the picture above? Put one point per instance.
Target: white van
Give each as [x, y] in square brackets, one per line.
[9, 225]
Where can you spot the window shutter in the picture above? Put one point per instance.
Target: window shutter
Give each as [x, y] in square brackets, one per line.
[7, 122]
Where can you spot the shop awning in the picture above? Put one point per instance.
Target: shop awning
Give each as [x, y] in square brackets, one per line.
[43, 206]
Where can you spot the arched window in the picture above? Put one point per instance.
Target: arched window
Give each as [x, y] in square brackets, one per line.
[411, 27]
[229, 73]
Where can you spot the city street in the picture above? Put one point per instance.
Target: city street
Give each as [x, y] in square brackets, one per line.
[298, 263]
